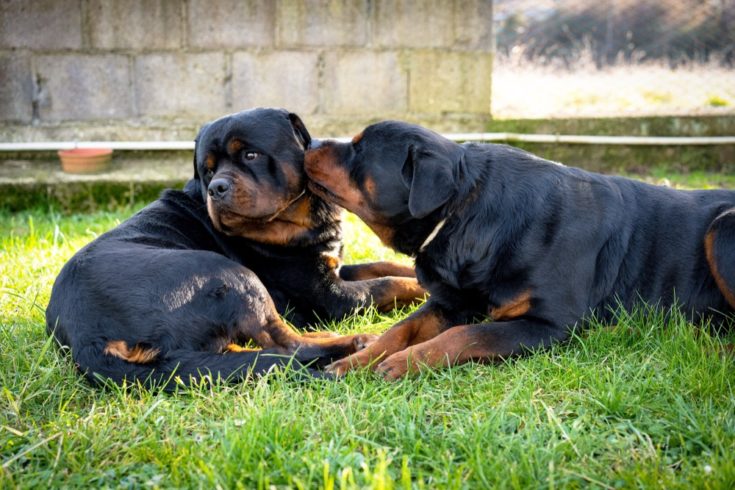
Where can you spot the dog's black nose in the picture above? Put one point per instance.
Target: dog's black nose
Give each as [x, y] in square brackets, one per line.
[218, 188]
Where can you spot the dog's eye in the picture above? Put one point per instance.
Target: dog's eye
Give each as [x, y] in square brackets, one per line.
[250, 155]
[209, 174]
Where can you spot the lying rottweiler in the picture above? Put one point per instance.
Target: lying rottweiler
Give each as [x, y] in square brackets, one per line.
[182, 285]
[537, 246]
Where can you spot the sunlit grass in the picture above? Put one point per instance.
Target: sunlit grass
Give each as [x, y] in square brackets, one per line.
[526, 89]
[643, 403]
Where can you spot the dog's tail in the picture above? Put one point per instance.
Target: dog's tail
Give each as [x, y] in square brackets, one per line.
[175, 368]
[720, 252]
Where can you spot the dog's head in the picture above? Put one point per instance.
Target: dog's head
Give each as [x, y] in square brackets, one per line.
[249, 166]
[393, 175]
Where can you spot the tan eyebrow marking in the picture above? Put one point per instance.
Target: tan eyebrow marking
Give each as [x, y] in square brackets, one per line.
[234, 145]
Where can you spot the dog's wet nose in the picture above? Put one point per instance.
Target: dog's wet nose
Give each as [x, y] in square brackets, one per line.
[218, 188]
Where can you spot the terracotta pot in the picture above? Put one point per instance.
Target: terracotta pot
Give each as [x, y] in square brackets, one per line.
[85, 160]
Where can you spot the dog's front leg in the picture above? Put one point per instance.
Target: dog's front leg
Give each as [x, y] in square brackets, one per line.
[424, 324]
[373, 270]
[480, 342]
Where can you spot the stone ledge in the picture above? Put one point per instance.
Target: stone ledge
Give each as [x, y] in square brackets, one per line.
[132, 176]
[124, 167]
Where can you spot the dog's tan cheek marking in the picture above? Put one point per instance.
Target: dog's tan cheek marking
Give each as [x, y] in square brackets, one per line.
[328, 172]
[356, 139]
[243, 191]
[138, 354]
[293, 176]
[210, 161]
[321, 164]
[343, 186]
[514, 308]
[299, 213]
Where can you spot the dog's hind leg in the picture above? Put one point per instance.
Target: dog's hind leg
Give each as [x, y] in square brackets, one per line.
[260, 322]
[719, 247]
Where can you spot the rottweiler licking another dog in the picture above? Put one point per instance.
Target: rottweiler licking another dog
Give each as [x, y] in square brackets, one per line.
[536, 246]
[182, 286]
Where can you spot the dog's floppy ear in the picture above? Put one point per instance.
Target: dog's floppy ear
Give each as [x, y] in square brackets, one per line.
[196, 180]
[196, 150]
[300, 130]
[196, 170]
[430, 178]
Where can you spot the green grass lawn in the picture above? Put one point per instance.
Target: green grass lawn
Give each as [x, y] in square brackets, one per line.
[637, 404]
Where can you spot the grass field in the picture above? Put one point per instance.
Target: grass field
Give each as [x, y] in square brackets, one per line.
[637, 404]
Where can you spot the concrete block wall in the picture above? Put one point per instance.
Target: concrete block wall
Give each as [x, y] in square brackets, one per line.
[157, 69]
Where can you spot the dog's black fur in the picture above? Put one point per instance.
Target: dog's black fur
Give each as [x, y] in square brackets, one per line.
[180, 286]
[536, 245]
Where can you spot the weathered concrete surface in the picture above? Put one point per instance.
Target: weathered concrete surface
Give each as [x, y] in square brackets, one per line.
[160, 78]
[84, 87]
[16, 88]
[135, 24]
[330, 23]
[364, 82]
[123, 65]
[411, 24]
[231, 23]
[450, 82]
[41, 24]
[276, 79]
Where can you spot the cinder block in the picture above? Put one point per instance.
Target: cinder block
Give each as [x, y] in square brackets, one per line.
[40, 24]
[474, 25]
[446, 81]
[286, 79]
[135, 24]
[16, 89]
[413, 23]
[82, 87]
[322, 23]
[180, 84]
[364, 82]
[231, 23]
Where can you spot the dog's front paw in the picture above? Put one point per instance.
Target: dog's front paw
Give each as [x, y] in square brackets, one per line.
[363, 340]
[397, 365]
[339, 368]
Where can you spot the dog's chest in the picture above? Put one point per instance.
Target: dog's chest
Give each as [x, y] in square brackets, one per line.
[457, 282]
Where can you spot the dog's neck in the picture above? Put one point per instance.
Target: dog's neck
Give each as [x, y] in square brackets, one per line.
[466, 193]
[433, 234]
[411, 236]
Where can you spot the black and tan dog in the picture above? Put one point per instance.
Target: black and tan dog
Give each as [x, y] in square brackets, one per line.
[537, 246]
[183, 284]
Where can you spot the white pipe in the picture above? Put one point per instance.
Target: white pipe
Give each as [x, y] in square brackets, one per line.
[509, 137]
[595, 140]
[114, 145]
